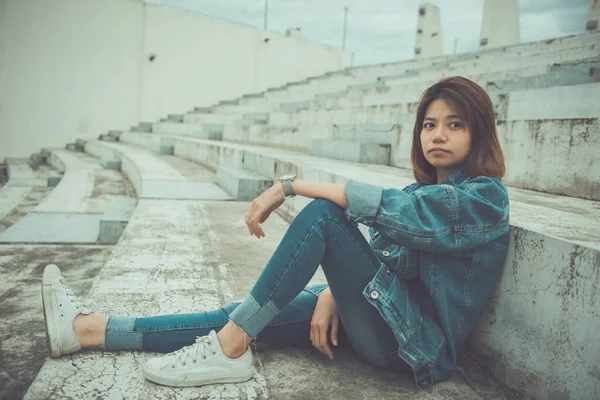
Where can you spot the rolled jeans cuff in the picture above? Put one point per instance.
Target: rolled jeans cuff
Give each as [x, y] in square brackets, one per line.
[252, 317]
[120, 335]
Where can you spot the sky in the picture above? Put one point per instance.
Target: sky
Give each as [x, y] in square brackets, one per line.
[380, 31]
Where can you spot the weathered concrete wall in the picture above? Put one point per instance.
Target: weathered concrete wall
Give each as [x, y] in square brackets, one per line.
[129, 61]
[553, 156]
[550, 102]
[539, 333]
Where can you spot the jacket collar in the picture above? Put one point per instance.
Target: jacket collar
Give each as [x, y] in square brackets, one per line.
[459, 175]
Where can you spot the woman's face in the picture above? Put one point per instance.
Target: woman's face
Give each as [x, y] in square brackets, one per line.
[444, 128]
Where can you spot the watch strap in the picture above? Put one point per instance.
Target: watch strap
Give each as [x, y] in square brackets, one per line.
[287, 188]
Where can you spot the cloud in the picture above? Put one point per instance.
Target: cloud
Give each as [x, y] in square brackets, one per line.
[385, 30]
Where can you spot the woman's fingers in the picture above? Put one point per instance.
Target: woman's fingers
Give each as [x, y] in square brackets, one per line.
[324, 346]
[335, 322]
[318, 329]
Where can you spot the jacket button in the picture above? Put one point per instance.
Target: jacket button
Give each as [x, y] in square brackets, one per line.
[385, 253]
[374, 295]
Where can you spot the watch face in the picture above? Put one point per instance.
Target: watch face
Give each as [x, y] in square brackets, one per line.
[286, 177]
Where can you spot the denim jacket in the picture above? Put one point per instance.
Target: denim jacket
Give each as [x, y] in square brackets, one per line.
[442, 249]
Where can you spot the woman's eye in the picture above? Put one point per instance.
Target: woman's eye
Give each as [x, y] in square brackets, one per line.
[456, 125]
[427, 125]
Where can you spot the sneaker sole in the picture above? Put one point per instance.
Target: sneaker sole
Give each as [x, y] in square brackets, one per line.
[162, 380]
[48, 306]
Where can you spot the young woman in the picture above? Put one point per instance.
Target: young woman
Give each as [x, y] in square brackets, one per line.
[404, 301]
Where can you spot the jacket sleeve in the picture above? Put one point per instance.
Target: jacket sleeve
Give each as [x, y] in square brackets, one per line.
[437, 218]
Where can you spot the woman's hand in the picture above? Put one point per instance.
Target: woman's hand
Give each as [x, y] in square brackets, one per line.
[262, 207]
[324, 316]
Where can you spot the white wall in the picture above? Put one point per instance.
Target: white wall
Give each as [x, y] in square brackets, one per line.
[77, 68]
[69, 68]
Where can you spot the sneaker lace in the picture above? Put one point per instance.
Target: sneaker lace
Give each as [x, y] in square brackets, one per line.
[75, 300]
[199, 349]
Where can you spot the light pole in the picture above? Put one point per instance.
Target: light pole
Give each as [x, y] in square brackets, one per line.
[266, 13]
[345, 24]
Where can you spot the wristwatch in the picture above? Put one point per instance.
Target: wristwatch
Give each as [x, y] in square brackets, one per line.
[287, 180]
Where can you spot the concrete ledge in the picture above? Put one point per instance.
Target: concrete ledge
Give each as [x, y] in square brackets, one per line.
[554, 156]
[294, 106]
[241, 184]
[74, 192]
[550, 102]
[175, 118]
[109, 137]
[354, 151]
[21, 174]
[332, 95]
[115, 219]
[64, 228]
[143, 127]
[10, 197]
[111, 164]
[152, 177]
[202, 131]
[369, 133]
[257, 118]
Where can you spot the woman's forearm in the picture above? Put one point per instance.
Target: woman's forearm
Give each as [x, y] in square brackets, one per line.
[335, 192]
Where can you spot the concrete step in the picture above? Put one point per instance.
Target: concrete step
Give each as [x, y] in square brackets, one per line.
[241, 184]
[234, 102]
[548, 103]
[10, 197]
[74, 147]
[369, 133]
[206, 110]
[256, 118]
[210, 118]
[109, 158]
[71, 212]
[175, 118]
[351, 150]
[142, 127]
[294, 106]
[150, 175]
[557, 156]
[282, 135]
[115, 219]
[38, 158]
[109, 137]
[332, 95]
[20, 173]
[202, 131]
[49, 228]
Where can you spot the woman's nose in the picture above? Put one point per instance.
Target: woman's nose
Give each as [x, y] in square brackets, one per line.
[439, 135]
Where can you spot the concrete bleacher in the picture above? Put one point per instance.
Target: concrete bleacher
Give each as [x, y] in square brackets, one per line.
[70, 213]
[538, 334]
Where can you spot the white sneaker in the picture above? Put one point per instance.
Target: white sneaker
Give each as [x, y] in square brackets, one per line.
[202, 363]
[61, 307]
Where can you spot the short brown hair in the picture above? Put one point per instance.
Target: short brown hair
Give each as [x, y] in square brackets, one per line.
[475, 108]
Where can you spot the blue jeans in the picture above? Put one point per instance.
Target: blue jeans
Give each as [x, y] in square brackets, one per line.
[279, 308]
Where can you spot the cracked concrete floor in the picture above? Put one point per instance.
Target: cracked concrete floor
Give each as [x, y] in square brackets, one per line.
[22, 338]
